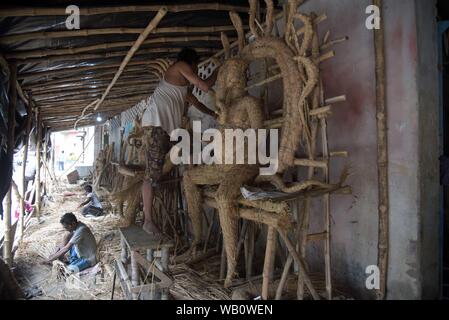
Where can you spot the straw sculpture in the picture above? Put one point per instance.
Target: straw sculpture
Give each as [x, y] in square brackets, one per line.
[237, 109]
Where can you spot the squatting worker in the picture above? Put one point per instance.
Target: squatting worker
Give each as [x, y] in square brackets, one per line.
[163, 114]
[79, 242]
[91, 206]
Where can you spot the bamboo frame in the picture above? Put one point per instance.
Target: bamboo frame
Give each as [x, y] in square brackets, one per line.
[24, 161]
[86, 11]
[149, 64]
[382, 153]
[151, 26]
[131, 72]
[8, 238]
[105, 55]
[107, 31]
[268, 267]
[38, 165]
[104, 46]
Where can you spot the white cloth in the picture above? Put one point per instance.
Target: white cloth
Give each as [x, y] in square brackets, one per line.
[94, 200]
[165, 107]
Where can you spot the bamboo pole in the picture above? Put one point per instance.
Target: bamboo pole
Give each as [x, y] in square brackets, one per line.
[249, 250]
[382, 153]
[21, 94]
[7, 242]
[38, 165]
[222, 260]
[104, 46]
[24, 162]
[85, 86]
[284, 277]
[299, 260]
[105, 55]
[315, 105]
[87, 11]
[87, 76]
[151, 26]
[327, 217]
[87, 81]
[143, 63]
[106, 31]
[268, 267]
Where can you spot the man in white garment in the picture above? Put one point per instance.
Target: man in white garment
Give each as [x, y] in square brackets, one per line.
[164, 112]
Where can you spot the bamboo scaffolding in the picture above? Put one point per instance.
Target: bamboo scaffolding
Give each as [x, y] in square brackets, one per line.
[52, 95]
[142, 53]
[268, 267]
[148, 64]
[38, 165]
[90, 97]
[87, 76]
[151, 26]
[382, 153]
[104, 46]
[8, 238]
[300, 261]
[79, 83]
[107, 31]
[86, 11]
[21, 94]
[84, 86]
[24, 162]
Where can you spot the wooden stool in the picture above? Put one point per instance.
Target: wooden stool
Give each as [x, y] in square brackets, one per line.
[132, 240]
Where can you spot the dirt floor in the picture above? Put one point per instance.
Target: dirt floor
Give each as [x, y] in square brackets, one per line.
[41, 239]
[195, 282]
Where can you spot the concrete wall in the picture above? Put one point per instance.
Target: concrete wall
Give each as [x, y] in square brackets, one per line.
[413, 148]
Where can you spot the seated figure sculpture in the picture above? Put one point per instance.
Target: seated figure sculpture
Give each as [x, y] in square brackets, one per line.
[237, 109]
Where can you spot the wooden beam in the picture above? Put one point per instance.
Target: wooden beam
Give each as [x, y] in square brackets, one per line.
[104, 46]
[10, 11]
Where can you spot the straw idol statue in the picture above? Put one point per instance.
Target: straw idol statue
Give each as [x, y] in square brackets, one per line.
[238, 109]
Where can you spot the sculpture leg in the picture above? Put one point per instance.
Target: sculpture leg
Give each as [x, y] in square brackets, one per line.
[226, 195]
[192, 179]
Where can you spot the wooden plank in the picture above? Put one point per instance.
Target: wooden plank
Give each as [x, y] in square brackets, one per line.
[135, 238]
